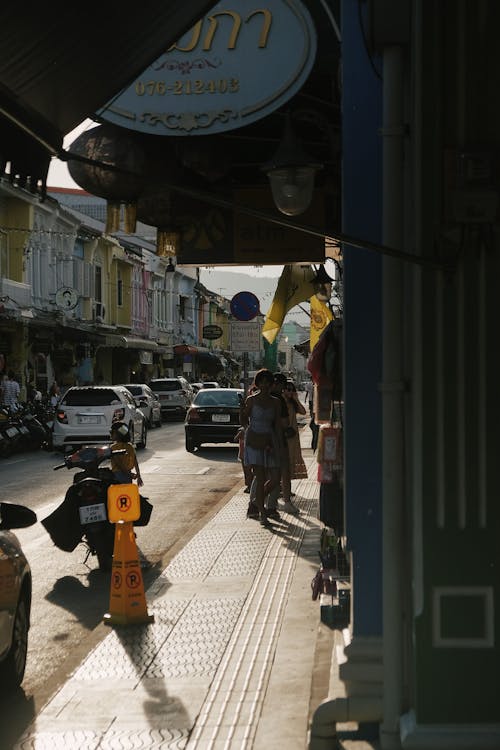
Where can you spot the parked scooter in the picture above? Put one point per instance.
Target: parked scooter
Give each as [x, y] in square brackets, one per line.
[10, 435]
[83, 515]
[34, 434]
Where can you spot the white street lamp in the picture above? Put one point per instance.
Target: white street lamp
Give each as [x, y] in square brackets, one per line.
[291, 174]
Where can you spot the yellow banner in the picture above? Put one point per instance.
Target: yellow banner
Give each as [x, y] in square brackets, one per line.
[294, 286]
[321, 315]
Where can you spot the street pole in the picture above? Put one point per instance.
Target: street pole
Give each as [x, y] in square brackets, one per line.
[245, 371]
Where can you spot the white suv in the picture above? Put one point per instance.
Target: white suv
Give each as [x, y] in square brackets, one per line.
[85, 414]
[175, 395]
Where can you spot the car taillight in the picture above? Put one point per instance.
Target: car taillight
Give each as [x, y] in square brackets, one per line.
[62, 417]
[118, 415]
[193, 415]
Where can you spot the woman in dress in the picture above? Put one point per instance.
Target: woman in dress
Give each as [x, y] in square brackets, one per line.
[298, 468]
[261, 416]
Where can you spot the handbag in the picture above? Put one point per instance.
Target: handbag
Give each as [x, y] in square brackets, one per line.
[259, 440]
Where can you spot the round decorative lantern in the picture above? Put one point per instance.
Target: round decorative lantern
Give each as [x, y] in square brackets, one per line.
[109, 144]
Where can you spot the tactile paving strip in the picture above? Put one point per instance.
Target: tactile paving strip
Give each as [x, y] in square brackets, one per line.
[198, 556]
[228, 642]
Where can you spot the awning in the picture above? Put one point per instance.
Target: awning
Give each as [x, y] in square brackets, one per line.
[185, 349]
[49, 83]
[129, 342]
[190, 349]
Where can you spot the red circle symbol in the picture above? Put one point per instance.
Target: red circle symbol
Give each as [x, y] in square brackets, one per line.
[133, 579]
[123, 503]
[117, 579]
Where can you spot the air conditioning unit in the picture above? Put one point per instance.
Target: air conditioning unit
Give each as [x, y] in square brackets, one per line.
[99, 312]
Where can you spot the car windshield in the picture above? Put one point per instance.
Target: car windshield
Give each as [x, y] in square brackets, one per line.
[216, 398]
[90, 397]
[135, 390]
[166, 385]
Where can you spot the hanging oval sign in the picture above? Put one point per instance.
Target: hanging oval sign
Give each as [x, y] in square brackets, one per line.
[231, 68]
[212, 332]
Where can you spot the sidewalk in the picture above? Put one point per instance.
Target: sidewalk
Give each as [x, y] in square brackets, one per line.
[229, 661]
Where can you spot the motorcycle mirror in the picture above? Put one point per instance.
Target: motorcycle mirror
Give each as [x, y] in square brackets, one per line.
[13, 516]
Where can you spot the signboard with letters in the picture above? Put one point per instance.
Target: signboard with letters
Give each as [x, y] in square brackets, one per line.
[246, 337]
[233, 67]
[216, 236]
[212, 332]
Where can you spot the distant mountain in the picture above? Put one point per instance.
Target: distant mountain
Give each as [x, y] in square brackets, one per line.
[227, 284]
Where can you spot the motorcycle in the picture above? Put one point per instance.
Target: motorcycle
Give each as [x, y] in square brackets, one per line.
[10, 435]
[82, 517]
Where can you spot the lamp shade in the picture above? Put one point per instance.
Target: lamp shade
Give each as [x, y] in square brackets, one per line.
[291, 174]
[292, 188]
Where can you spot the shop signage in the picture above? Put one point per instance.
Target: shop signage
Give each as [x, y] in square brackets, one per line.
[233, 67]
[217, 236]
[212, 332]
[246, 337]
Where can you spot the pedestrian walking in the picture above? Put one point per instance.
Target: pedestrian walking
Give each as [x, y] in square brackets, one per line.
[298, 468]
[247, 471]
[10, 391]
[279, 384]
[261, 416]
[54, 394]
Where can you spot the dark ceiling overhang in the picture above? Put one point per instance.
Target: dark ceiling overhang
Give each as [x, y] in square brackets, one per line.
[57, 68]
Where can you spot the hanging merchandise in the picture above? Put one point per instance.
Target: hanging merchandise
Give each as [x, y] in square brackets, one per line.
[322, 402]
[330, 454]
[330, 446]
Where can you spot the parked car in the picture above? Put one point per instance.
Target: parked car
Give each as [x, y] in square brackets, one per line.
[196, 387]
[147, 401]
[213, 417]
[210, 384]
[15, 596]
[85, 414]
[175, 395]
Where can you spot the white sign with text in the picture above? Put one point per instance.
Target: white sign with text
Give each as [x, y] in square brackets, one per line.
[245, 337]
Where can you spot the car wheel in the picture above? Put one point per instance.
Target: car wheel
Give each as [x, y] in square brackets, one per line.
[144, 436]
[14, 665]
[190, 444]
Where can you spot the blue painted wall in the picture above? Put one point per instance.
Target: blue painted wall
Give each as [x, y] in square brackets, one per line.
[362, 218]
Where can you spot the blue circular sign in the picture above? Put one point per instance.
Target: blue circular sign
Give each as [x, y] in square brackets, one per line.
[245, 306]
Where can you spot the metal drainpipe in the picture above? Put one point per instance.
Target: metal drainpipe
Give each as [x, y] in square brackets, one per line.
[392, 397]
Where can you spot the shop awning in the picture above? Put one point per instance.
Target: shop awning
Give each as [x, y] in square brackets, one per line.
[58, 67]
[130, 342]
[185, 349]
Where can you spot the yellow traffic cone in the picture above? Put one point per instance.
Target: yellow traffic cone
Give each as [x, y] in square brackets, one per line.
[127, 601]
